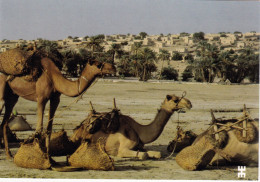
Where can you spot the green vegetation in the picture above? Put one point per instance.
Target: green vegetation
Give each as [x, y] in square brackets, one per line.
[187, 74]
[198, 36]
[143, 35]
[206, 62]
[169, 73]
[177, 56]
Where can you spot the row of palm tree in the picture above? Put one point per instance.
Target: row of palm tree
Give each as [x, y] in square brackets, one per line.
[210, 61]
[226, 65]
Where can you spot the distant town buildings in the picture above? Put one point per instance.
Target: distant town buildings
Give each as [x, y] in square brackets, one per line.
[181, 43]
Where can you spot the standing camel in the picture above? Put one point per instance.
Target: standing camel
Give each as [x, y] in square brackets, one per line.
[49, 86]
[131, 136]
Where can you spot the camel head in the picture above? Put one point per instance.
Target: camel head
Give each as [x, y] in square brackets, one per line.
[101, 68]
[174, 103]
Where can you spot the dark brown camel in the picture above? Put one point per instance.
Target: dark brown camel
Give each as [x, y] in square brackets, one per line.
[49, 86]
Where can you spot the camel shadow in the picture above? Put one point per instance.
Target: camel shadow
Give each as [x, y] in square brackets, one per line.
[132, 167]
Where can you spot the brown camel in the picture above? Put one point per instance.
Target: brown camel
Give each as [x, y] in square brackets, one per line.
[49, 86]
[223, 145]
[130, 137]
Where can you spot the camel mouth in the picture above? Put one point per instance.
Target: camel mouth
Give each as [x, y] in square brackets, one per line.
[185, 108]
[108, 74]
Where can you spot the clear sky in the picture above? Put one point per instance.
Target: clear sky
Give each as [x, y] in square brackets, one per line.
[57, 19]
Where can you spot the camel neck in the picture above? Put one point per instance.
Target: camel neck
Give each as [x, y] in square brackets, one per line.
[149, 133]
[68, 87]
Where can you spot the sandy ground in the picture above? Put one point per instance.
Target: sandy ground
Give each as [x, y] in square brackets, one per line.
[141, 101]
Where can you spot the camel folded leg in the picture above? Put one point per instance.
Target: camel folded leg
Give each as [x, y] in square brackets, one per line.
[154, 154]
[132, 154]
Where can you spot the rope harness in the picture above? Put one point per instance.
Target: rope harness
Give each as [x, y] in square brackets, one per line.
[178, 125]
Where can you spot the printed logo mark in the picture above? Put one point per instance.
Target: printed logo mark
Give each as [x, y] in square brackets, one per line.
[241, 171]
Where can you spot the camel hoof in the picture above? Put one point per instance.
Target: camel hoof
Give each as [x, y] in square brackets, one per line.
[154, 154]
[53, 162]
[143, 156]
[10, 158]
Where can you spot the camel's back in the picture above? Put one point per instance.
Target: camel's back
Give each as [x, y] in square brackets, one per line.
[241, 151]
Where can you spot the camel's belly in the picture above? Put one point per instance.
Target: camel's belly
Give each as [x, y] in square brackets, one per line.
[24, 89]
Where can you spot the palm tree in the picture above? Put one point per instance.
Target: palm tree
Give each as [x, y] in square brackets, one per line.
[135, 49]
[206, 65]
[125, 67]
[247, 66]
[115, 49]
[163, 55]
[71, 62]
[225, 65]
[94, 43]
[50, 49]
[143, 35]
[85, 55]
[146, 65]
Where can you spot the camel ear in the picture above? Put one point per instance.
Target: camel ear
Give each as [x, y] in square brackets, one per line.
[168, 97]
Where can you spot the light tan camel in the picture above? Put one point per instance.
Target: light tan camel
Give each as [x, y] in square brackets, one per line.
[49, 86]
[223, 146]
[130, 137]
[239, 150]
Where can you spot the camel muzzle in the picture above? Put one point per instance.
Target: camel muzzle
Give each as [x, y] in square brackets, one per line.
[186, 105]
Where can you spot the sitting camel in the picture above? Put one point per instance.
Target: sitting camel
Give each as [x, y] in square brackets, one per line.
[49, 86]
[233, 143]
[128, 139]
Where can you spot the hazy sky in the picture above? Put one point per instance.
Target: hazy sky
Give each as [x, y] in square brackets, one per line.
[57, 19]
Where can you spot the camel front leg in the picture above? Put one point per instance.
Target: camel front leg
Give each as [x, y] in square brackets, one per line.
[10, 102]
[2, 91]
[54, 102]
[1, 106]
[41, 103]
[132, 154]
[154, 154]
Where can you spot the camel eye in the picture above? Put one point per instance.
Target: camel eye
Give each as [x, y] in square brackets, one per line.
[176, 100]
[99, 65]
[169, 97]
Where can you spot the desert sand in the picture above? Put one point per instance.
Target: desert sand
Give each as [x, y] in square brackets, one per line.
[141, 100]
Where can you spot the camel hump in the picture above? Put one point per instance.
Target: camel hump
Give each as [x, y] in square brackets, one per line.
[108, 122]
